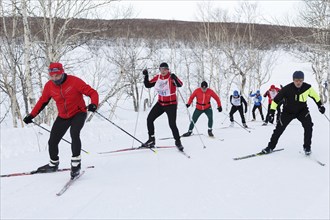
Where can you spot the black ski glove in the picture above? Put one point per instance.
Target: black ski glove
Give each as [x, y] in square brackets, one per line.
[145, 72]
[92, 107]
[321, 109]
[187, 105]
[219, 109]
[175, 78]
[271, 116]
[28, 119]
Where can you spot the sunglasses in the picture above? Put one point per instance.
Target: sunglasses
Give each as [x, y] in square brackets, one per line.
[52, 70]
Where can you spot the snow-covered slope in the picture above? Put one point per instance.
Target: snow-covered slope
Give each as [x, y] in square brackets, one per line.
[142, 184]
[146, 185]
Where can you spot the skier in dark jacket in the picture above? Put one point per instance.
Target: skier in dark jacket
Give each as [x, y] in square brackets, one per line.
[295, 97]
[236, 101]
[165, 84]
[67, 91]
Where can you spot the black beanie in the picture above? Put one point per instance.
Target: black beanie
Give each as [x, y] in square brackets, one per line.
[204, 84]
[298, 75]
[164, 65]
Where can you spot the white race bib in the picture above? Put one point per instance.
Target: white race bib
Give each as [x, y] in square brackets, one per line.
[236, 101]
[162, 87]
[272, 94]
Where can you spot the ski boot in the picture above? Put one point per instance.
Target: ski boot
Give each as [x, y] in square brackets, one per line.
[151, 142]
[231, 124]
[187, 134]
[209, 131]
[307, 151]
[244, 125]
[52, 166]
[75, 166]
[267, 150]
[179, 145]
[264, 124]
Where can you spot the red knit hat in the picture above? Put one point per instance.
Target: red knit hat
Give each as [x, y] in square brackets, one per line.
[272, 87]
[55, 68]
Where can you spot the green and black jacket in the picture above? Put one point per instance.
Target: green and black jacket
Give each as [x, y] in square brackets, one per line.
[295, 99]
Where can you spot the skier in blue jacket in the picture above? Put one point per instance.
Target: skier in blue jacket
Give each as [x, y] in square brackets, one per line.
[257, 104]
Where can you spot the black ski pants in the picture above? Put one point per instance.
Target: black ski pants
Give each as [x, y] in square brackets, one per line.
[157, 111]
[260, 110]
[59, 129]
[233, 110]
[285, 119]
[278, 113]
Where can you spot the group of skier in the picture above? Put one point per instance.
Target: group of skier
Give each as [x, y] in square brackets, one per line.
[67, 91]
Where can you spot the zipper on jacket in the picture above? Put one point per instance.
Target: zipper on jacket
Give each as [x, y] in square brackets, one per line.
[203, 100]
[66, 110]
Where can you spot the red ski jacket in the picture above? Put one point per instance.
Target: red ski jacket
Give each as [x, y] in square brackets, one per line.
[271, 95]
[203, 98]
[68, 97]
[166, 88]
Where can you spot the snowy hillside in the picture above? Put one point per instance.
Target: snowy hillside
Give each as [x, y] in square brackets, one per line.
[167, 185]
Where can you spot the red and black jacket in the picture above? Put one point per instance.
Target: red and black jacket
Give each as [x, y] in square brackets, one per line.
[165, 100]
[68, 97]
[270, 94]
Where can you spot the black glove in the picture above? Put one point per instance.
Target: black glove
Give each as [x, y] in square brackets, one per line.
[145, 72]
[176, 80]
[173, 76]
[92, 107]
[271, 116]
[321, 109]
[187, 105]
[219, 109]
[28, 119]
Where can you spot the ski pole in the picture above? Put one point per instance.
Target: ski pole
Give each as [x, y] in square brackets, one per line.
[326, 117]
[239, 124]
[191, 121]
[224, 119]
[124, 130]
[61, 138]
[137, 116]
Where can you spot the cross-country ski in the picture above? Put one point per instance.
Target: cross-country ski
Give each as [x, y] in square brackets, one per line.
[223, 114]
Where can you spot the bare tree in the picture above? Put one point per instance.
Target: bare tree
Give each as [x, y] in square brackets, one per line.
[10, 53]
[316, 15]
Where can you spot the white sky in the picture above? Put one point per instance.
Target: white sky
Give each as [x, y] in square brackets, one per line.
[187, 10]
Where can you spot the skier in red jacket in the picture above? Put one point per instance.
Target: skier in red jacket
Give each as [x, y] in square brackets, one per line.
[271, 93]
[165, 84]
[67, 91]
[203, 96]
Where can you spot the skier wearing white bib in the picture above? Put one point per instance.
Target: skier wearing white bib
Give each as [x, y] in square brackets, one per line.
[165, 84]
[237, 102]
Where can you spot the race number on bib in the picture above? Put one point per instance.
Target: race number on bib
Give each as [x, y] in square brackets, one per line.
[162, 87]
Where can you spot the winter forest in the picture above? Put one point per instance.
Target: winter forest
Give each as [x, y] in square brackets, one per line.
[106, 44]
[229, 51]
